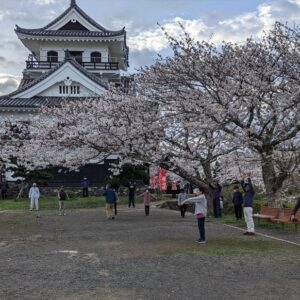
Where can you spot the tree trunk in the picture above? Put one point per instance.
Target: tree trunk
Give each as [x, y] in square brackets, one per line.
[22, 187]
[273, 183]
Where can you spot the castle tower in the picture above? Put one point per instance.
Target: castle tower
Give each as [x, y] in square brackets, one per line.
[71, 57]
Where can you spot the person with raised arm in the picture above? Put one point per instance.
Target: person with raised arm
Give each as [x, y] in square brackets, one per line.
[248, 204]
[200, 212]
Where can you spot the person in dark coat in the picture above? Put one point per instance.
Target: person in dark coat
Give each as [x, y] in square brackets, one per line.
[4, 188]
[248, 204]
[294, 211]
[131, 194]
[85, 184]
[110, 197]
[216, 190]
[237, 200]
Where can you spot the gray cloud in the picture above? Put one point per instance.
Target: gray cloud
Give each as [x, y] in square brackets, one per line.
[8, 85]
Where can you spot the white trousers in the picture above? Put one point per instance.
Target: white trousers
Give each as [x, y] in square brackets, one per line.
[34, 201]
[248, 215]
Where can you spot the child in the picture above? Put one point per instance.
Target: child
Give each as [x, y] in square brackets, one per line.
[200, 212]
[147, 197]
[62, 196]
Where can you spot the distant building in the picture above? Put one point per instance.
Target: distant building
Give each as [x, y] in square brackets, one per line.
[71, 58]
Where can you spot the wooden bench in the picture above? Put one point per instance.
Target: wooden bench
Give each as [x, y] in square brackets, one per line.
[266, 213]
[286, 218]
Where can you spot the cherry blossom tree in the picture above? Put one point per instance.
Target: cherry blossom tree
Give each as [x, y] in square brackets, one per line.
[251, 91]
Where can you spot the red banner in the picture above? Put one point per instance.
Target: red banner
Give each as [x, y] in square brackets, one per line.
[163, 179]
[154, 182]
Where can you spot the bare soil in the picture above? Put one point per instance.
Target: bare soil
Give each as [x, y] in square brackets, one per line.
[84, 256]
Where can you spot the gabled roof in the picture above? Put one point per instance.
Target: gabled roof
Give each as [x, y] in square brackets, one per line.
[72, 6]
[73, 62]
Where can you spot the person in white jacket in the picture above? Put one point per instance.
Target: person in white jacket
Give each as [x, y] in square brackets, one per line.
[200, 212]
[34, 195]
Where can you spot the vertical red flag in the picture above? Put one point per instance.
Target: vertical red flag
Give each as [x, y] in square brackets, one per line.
[154, 182]
[163, 182]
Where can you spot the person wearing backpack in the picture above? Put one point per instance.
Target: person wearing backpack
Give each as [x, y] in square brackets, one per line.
[62, 196]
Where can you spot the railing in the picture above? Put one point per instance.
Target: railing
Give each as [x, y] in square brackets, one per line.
[35, 65]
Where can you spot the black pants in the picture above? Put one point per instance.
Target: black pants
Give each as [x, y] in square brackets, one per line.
[217, 208]
[182, 210]
[131, 201]
[147, 210]
[238, 211]
[4, 194]
[116, 208]
[201, 226]
[85, 192]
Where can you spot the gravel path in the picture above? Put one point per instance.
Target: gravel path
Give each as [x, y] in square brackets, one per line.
[84, 256]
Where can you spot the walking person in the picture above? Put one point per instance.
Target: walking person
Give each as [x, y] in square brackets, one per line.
[181, 197]
[200, 212]
[62, 197]
[248, 204]
[4, 188]
[34, 196]
[237, 200]
[110, 198]
[131, 194]
[85, 184]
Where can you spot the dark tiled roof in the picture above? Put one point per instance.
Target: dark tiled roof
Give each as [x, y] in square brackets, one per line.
[44, 76]
[35, 102]
[25, 81]
[71, 33]
[73, 5]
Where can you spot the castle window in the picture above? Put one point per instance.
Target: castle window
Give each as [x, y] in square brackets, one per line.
[64, 90]
[52, 56]
[96, 57]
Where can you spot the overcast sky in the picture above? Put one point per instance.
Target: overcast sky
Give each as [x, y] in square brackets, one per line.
[232, 20]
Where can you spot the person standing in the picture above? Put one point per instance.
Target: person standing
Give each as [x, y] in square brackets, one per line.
[216, 190]
[237, 200]
[110, 198]
[116, 202]
[181, 197]
[248, 205]
[147, 198]
[200, 212]
[62, 197]
[294, 211]
[34, 195]
[4, 188]
[85, 184]
[131, 194]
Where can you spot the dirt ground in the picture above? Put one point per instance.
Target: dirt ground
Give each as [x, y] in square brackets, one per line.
[84, 256]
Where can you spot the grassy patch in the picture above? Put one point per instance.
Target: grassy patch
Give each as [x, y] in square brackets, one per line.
[224, 246]
[51, 203]
[264, 224]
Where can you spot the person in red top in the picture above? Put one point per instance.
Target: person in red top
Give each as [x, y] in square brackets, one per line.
[147, 198]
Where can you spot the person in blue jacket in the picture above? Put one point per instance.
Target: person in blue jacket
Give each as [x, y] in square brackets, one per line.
[248, 204]
[85, 184]
[110, 197]
[237, 200]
